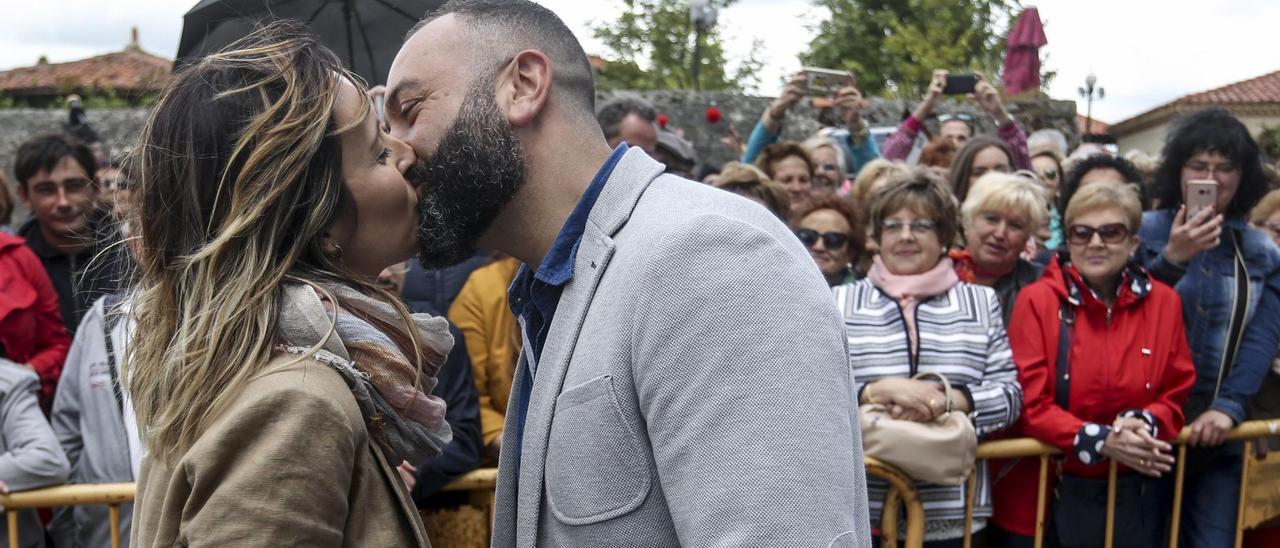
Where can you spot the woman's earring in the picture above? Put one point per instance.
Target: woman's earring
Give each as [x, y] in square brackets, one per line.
[331, 249]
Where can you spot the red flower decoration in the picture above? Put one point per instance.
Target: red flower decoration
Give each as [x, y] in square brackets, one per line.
[713, 114]
[662, 121]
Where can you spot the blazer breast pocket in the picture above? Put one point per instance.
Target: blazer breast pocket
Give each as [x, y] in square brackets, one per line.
[597, 468]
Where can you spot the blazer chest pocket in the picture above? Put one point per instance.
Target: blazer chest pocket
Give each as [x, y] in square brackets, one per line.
[597, 469]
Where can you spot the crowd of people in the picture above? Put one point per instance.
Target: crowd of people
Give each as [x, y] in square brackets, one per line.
[1071, 297]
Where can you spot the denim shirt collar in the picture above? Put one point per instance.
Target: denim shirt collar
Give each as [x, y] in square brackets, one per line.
[557, 267]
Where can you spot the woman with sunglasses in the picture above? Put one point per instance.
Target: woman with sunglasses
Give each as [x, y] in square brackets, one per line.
[1105, 369]
[1048, 165]
[826, 229]
[911, 315]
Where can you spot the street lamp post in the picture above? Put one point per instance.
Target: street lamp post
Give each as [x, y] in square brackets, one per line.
[1087, 92]
[703, 16]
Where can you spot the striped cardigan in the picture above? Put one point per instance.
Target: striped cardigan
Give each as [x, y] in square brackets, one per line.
[962, 336]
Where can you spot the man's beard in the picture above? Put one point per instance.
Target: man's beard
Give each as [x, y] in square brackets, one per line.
[475, 171]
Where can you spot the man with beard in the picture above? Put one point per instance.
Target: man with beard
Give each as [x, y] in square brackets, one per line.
[684, 378]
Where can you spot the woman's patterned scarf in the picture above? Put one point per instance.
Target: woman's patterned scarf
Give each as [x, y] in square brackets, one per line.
[371, 349]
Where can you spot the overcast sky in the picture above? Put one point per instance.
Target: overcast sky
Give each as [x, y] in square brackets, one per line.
[1144, 52]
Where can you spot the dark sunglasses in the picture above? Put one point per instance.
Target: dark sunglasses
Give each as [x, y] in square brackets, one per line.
[1113, 233]
[832, 240]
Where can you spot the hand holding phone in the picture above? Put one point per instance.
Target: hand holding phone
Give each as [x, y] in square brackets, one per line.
[1196, 227]
[1201, 194]
[826, 82]
[960, 84]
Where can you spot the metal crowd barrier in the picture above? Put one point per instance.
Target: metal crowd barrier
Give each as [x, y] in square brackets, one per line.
[1028, 447]
[480, 482]
[901, 493]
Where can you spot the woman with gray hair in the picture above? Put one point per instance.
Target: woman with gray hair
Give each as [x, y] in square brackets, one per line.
[829, 166]
[1000, 215]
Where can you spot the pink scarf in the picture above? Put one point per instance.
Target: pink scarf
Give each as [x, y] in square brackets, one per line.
[908, 290]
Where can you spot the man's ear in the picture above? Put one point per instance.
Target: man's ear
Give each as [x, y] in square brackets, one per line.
[22, 195]
[526, 87]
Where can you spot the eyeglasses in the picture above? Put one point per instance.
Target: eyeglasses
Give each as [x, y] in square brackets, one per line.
[918, 228]
[1050, 174]
[963, 117]
[1203, 169]
[1113, 233]
[832, 240]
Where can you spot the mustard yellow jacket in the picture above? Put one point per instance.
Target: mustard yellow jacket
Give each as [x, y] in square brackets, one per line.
[482, 314]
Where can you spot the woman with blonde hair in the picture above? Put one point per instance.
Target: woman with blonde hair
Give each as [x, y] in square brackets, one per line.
[276, 386]
[1001, 214]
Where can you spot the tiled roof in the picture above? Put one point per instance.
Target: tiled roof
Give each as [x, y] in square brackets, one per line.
[1255, 94]
[1263, 89]
[130, 71]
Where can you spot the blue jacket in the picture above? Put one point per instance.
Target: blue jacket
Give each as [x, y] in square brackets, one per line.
[855, 156]
[1207, 288]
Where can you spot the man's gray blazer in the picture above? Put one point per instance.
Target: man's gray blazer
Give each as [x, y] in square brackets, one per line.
[694, 389]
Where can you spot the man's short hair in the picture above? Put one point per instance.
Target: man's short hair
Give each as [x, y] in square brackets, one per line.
[44, 152]
[508, 27]
[614, 111]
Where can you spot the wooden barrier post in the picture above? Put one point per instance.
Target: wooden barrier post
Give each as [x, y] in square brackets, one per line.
[1244, 487]
[906, 487]
[1041, 495]
[1179, 473]
[114, 510]
[889, 519]
[972, 483]
[12, 517]
[1111, 503]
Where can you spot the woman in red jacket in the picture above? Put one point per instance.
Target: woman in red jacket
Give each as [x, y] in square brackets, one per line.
[31, 329]
[1118, 395]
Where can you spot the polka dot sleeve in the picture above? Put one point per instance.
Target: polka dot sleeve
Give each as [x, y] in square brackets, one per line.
[1144, 416]
[1088, 443]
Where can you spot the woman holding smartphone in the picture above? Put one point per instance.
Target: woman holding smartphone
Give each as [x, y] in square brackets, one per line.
[1228, 275]
[276, 386]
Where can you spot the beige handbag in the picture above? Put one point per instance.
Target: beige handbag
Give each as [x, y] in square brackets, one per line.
[941, 451]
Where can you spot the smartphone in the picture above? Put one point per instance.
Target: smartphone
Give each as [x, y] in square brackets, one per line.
[1201, 193]
[826, 82]
[959, 84]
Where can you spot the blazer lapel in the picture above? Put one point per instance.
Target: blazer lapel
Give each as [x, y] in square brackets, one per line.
[504, 523]
[593, 257]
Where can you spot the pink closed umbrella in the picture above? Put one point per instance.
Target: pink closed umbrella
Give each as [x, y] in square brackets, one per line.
[1022, 59]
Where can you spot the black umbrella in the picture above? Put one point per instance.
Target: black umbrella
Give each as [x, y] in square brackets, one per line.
[364, 33]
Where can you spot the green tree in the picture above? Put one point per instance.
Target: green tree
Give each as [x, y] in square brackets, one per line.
[893, 46]
[651, 46]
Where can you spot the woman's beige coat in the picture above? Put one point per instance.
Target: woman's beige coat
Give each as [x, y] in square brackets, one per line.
[289, 463]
